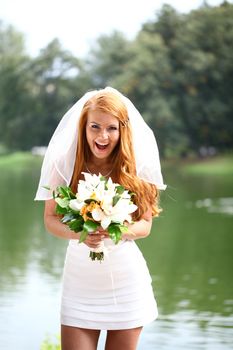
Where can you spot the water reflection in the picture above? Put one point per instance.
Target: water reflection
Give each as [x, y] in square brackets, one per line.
[216, 205]
[23, 239]
[189, 254]
[189, 330]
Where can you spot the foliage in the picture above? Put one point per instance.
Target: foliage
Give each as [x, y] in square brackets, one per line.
[108, 58]
[48, 344]
[177, 70]
[14, 91]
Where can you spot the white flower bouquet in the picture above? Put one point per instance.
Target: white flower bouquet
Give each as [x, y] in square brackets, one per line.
[98, 202]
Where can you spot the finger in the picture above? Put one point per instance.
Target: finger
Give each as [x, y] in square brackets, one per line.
[96, 236]
[93, 245]
[101, 230]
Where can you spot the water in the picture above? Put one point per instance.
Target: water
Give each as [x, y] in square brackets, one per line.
[189, 254]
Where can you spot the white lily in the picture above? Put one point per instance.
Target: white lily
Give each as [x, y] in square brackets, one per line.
[99, 191]
[76, 205]
[111, 186]
[121, 211]
[91, 180]
[106, 204]
[83, 191]
[99, 216]
[105, 222]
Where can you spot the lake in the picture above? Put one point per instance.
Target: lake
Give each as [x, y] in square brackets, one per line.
[189, 254]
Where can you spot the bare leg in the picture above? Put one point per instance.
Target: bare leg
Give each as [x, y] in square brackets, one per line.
[126, 339]
[74, 338]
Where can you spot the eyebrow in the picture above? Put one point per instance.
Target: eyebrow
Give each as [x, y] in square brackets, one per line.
[93, 122]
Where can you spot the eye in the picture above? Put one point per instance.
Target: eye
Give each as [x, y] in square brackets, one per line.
[113, 128]
[94, 126]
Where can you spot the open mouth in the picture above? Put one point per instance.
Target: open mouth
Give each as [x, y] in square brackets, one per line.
[101, 146]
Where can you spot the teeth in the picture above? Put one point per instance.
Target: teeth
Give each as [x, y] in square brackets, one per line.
[101, 144]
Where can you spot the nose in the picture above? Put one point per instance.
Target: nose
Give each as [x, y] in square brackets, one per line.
[104, 134]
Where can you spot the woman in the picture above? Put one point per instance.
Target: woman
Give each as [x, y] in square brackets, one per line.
[104, 133]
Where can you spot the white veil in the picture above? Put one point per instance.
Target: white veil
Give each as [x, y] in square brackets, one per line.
[58, 164]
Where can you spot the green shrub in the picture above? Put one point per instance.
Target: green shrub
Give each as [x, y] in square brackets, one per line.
[50, 344]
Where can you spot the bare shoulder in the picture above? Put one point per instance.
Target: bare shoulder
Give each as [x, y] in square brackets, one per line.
[147, 216]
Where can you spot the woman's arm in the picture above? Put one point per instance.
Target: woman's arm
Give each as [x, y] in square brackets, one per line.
[139, 229]
[53, 222]
[54, 226]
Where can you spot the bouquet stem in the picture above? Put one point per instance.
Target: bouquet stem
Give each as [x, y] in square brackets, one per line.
[96, 256]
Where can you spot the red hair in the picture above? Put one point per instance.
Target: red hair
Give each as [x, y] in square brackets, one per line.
[123, 158]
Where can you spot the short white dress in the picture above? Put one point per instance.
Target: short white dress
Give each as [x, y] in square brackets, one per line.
[109, 295]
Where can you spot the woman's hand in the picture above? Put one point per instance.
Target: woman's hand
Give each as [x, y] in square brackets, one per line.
[95, 238]
[139, 229]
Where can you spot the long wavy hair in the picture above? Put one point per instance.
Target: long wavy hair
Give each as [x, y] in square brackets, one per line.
[122, 158]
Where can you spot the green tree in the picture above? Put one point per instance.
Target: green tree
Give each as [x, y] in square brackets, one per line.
[147, 81]
[177, 71]
[53, 87]
[108, 59]
[200, 45]
[203, 76]
[34, 93]
[14, 89]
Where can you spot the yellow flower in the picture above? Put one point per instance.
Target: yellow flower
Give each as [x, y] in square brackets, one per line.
[93, 196]
[88, 209]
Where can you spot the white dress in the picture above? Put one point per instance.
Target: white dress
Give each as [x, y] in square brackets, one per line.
[113, 294]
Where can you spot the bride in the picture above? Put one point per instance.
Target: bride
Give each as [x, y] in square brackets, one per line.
[104, 133]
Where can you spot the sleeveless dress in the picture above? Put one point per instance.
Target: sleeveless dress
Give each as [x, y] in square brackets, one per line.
[109, 295]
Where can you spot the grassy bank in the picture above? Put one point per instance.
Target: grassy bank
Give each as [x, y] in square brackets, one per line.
[18, 160]
[221, 165]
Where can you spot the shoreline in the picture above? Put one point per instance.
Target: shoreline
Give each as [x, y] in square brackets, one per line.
[216, 165]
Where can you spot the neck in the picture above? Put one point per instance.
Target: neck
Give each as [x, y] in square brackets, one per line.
[99, 163]
[96, 166]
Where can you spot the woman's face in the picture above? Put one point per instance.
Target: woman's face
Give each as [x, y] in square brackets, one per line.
[102, 132]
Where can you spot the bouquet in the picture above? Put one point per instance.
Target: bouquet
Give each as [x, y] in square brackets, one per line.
[98, 202]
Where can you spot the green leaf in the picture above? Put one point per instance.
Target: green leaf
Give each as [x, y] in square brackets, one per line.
[115, 232]
[112, 227]
[64, 191]
[62, 202]
[76, 225]
[83, 236]
[60, 210]
[123, 228]
[68, 217]
[115, 199]
[120, 189]
[90, 226]
[102, 178]
[71, 194]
